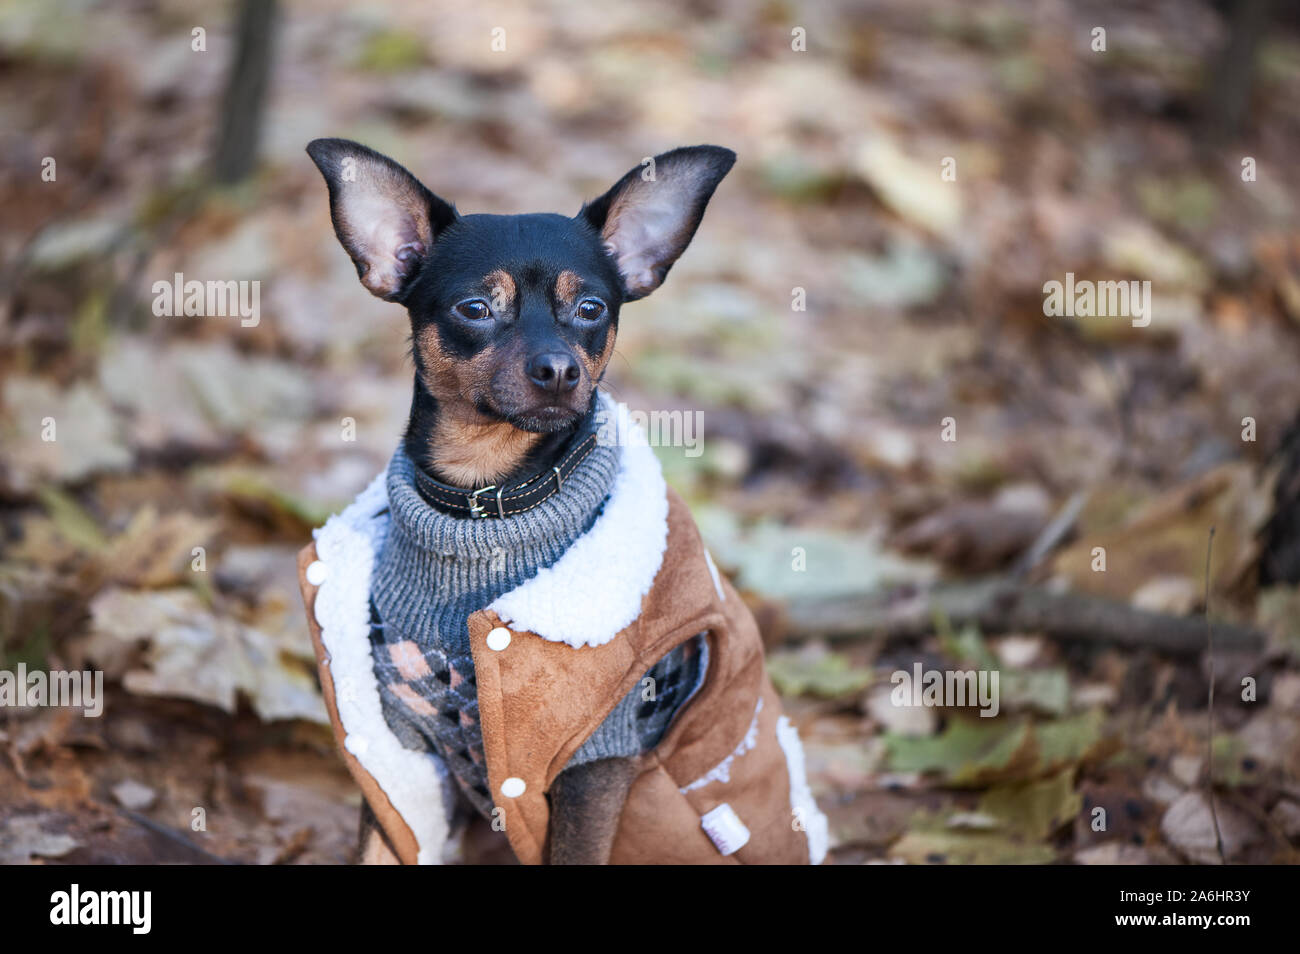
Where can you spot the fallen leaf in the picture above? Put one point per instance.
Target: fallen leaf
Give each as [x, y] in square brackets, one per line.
[969, 752]
[968, 848]
[1139, 250]
[84, 432]
[23, 837]
[909, 186]
[71, 520]
[1167, 537]
[903, 720]
[157, 551]
[1034, 809]
[194, 653]
[1188, 827]
[813, 670]
[972, 752]
[791, 563]
[1075, 739]
[1115, 853]
[134, 796]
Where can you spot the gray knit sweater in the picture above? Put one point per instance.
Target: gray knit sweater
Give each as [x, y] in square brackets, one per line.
[435, 570]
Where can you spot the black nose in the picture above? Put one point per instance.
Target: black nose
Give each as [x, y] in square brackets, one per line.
[554, 371]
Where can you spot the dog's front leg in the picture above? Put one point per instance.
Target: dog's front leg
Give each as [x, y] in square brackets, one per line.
[586, 804]
[373, 848]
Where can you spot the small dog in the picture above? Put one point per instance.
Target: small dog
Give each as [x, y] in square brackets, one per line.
[518, 617]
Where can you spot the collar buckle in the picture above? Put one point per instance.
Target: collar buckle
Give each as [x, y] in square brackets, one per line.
[476, 509]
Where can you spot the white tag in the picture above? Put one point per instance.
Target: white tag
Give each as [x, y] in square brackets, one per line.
[725, 829]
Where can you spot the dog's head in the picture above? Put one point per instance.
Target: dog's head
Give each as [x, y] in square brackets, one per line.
[513, 317]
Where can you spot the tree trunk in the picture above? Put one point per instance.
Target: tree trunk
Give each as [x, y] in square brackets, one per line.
[244, 101]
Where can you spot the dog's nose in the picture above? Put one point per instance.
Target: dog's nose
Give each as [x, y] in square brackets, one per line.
[554, 371]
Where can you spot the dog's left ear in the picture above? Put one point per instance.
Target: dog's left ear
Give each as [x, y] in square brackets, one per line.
[651, 214]
[383, 216]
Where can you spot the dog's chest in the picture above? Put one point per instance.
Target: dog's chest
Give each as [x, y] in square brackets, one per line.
[429, 696]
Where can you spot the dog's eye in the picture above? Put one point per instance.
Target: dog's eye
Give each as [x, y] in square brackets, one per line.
[475, 309]
[590, 309]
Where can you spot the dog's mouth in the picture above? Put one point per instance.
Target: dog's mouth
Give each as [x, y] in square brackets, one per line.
[546, 419]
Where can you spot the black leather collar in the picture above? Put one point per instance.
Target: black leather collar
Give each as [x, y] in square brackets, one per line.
[504, 500]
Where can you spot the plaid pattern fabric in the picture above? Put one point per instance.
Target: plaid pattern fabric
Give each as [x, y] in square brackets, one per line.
[640, 719]
[676, 677]
[430, 701]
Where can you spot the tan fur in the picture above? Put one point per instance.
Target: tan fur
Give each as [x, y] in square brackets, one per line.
[502, 288]
[471, 450]
[596, 366]
[377, 852]
[567, 286]
[468, 448]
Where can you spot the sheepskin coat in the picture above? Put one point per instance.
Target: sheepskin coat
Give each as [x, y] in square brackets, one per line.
[552, 657]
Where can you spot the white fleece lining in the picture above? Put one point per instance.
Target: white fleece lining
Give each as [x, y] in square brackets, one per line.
[594, 591]
[713, 572]
[347, 545]
[722, 771]
[815, 826]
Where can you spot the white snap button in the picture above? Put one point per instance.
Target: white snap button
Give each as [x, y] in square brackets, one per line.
[316, 573]
[498, 639]
[725, 829]
[513, 787]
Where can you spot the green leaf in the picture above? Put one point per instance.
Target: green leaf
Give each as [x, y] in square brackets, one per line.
[828, 675]
[1043, 690]
[968, 848]
[1034, 809]
[967, 752]
[71, 520]
[391, 51]
[967, 646]
[974, 751]
[1071, 740]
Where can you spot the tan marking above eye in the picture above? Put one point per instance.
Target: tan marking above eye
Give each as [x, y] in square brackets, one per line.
[567, 286]
[501, 287]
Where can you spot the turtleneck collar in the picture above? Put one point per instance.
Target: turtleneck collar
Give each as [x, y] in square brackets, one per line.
[435, 568]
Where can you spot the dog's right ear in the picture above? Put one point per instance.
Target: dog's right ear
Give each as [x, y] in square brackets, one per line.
[384, 217]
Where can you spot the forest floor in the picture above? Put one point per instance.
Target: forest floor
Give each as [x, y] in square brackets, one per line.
[841, 302]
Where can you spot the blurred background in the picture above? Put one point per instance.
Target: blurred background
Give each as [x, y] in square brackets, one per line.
[911, 173]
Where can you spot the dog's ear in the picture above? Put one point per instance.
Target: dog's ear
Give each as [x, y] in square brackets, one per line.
[651, 214]
[384, 217]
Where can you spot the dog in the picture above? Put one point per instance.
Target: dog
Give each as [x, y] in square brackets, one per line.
[518, 618]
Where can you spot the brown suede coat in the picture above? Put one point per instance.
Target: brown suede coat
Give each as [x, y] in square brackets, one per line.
[539, 700]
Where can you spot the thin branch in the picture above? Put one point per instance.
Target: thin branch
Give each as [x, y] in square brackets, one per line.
[173, 836]
[1051, 535]
[1209, 632]
[1001, 605]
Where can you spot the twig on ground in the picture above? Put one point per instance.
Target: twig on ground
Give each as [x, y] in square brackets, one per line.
[173, 835]
[1051, 535]
[1209, 743]
[1003, 605]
